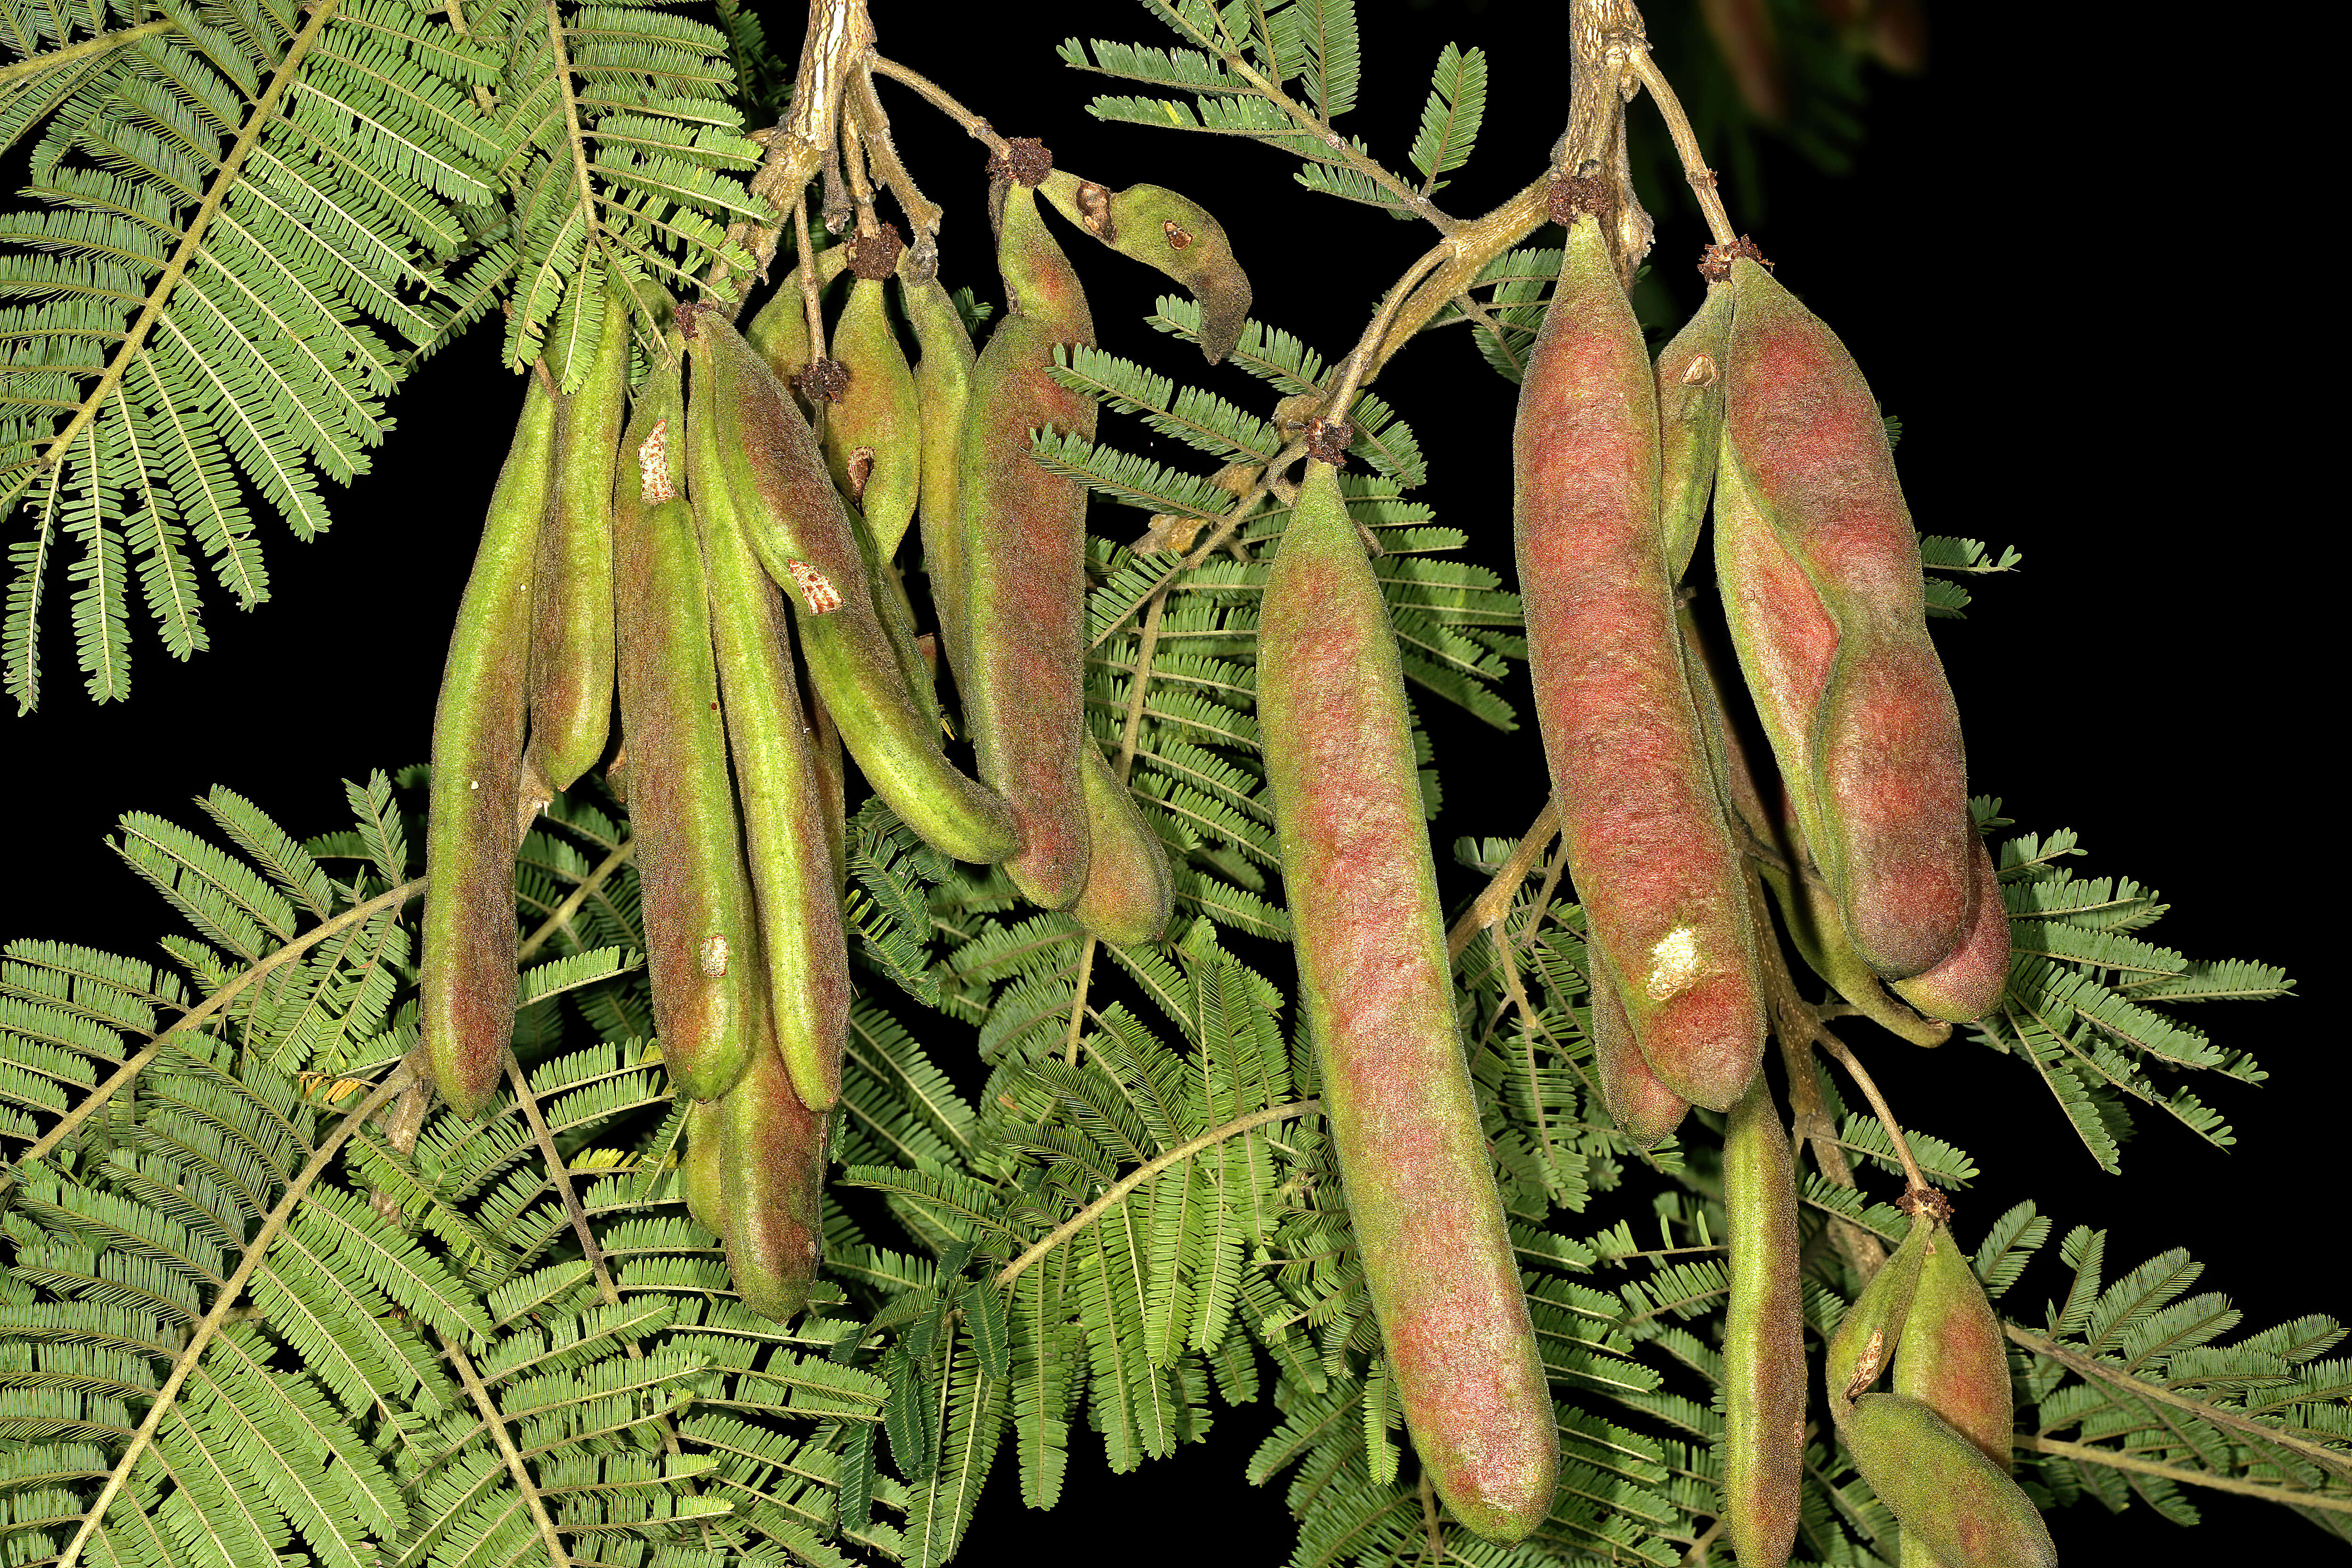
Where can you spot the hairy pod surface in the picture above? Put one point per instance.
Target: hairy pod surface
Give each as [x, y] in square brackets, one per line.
[785, 807]
[772, 1156]
[1377, 994]
[571, 610]
[1889, 777]
[779, 331]
[942, 389]
[757, 455]
[873, 436]
[1763, 1336]
[1945, 1493]
[1953, 1358]
[466, 1002]
[1972, 981]
[1649, 848]
[1162, 229]
[702, 1173]
[1130, 894]
[1866, 1338]
[1690, 424]
[1644, 1109]
[1024, 535]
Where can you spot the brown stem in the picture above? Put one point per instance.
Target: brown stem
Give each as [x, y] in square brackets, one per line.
[1495, 900]
[1678, 126]
[939, 97]
[1836, 1048]
[561, 916]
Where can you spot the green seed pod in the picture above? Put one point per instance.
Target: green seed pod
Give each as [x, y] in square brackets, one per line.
[943, 388]
[1644, 1109]
[779, 331]
[1763, 1336]
[702, 1172]
[1887, 772]
[1173, 233]
[772, 1154]
[785, 808]
[1648, 845]
[1866, 1336]
[572, 641]
[1954, 1358]
[1971, 982]
[702, 944]
[1130, 895]
[1948, 1497]
[466, 984]
[1690, 424]
[1023, 532]
[873, 435]
[1376, 994]
[757, 455]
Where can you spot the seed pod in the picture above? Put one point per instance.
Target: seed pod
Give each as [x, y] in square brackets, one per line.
[1376, 994]
[873, 435]
[1866, 1336]
[771, 1153]
[1129, 894]
[1652, 857]
[1690, 424]
[1173, 233]
[465, 1000]
[702, 945]
[572, 641]
[1971, 982]
[1763, 1336]
[779, 331]
[1953, 1358]
[943, 388]
[1644, 1109]
[1023, 537]
[702, 1172]
[785, 807]
[1948, 1497]
[1883, 757]
[756, 454]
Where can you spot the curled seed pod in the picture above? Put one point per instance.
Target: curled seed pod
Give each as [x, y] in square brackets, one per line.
[1885, 766]
[1130, 895]
[756, 455]
[1948, 1497]
[1954, 1358]
[1866, 1336]
[1644, 1109]
[786, 810]
[465, 1001]
[702, 1171]
[1970, 982]
[1173, 233]
[1763, 1336]
[1690, 423]
[1377, 998]
[873, 436]
[1023, 532]
[702, 945]
[572, 611]
[1648, 845]
[772, 1153]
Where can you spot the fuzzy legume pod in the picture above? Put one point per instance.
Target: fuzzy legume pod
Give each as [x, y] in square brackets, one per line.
[1971, 982]
[1763, 1336]
[1648, 845]
[873, 434]
[1022, 535]
[1948, 1497]
[772, 1153]
[942, 389]
[702, 1175]
[466, 984]
[1690, 423]
[1866, 1338]
[1130, 895]
[1377, 994]
[1953, 1358]
[1644, 1109]
[1162, 229]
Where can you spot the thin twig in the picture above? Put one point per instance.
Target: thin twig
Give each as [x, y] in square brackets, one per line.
[1138, 676]
[1836, 1048]
[1491, 904]
[1079, 999]
[2087, 1454]
[104, 43]
[1433, 1544]
[557, 1556]
[1686, 148]
[1144, 1173]
[1698, 1549]
[939, 97]
[561, 914]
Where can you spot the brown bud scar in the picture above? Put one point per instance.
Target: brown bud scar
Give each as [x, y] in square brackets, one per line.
[1702, 371]
[1574, 195]
[1170, 534]
[1714, 261]
[653, 465]
[1178, 239]
[861, 469]
[1024, 159]
[1327, 441]
[712, 956]
[875, 256]
[1094, 210]
[816, 590]
[1866, 1370]
[824, 381]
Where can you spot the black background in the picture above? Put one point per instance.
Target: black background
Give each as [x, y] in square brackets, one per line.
[2081, 361]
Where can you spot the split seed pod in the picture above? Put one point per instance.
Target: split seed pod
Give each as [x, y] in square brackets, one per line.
[1866, 1338]
[1763, 1336]
[1161, 228]
[759, 455]
[1648, 845]
[1948, 1497]
[572, 642]
[466, 984]
[702, 944]
[1884, 763]
[1376, 991]
[771, 1151]
[1024, 535]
